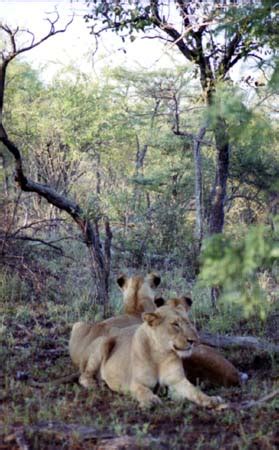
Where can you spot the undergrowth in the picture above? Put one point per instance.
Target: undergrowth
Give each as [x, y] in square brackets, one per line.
[33, 347]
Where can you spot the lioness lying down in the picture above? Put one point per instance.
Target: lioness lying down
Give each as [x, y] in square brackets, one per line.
[138, 297]
[205, 363]
[142, 356]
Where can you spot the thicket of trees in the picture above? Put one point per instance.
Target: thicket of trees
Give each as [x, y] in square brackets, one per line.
[156, 160]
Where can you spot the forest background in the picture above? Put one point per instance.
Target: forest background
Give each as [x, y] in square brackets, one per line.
[173, 169]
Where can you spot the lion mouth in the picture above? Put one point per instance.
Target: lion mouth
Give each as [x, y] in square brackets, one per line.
[179, 349]
[183, 352]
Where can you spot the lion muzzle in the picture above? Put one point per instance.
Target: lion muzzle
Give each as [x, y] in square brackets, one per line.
[185, 351]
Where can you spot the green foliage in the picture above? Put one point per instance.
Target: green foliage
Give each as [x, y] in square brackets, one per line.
[254, 158]
[83, 137]
[228, 103]
[12, 288]
[234, 266]
[260, 23]
[274, 80]
[34, 347]
[125, 20]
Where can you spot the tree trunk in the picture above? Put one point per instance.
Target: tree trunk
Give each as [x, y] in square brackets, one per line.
[101, 277]
[218, 196]
[198, 187]
[219, 191]
[99, 260]
[5, 198]
[3, 71]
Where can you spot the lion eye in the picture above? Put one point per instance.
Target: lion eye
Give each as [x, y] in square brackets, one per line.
[176, 325]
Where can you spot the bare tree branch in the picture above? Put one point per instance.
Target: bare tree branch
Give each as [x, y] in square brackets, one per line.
[196, 138]
[190, 54]
[33, 44]
[98, 259]
[41, 241]
[32, 225]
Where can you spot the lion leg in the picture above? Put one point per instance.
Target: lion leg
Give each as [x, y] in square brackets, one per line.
[184, 389]
[144, 395]
[88, 377]
[91, 368]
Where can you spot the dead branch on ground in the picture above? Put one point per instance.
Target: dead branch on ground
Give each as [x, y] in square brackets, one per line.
[245, 342]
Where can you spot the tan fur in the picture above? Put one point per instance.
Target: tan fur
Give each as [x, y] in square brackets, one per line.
[138, 297]
[206, 363]
[138, 294]
[142, 356]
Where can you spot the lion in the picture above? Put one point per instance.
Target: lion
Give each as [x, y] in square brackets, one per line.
[138, 297]
[142, 356]
[207, 364]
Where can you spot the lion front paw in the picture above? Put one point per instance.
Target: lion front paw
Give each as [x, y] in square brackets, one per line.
[87, 381]
[216, 402]
[150, 401]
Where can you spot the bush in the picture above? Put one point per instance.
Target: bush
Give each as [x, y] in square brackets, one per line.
[235, 266]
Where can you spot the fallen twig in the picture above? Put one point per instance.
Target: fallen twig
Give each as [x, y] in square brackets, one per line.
[62, 380]
[62, 430]
[59, 429]
[260, 401]
[25, 329]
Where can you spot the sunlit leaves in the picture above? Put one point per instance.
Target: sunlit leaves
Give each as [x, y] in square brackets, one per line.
[228, 103]
[235, 265]
[126, 18]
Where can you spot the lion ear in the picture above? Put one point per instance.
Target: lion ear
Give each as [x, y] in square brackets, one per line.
[153, 279]
[187, 299]
[121, 280]
[185, 302]
[152, 319]
[159, 301]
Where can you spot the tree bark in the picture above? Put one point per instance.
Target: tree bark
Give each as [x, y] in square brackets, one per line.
[198, 186]
[5, 200]
[3, 71]
[219, 191]
[248, 342]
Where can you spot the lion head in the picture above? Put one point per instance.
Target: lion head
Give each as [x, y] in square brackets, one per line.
[138, 292]
[170, 327]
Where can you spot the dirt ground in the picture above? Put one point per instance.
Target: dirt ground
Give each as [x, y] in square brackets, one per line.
[33, 347]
